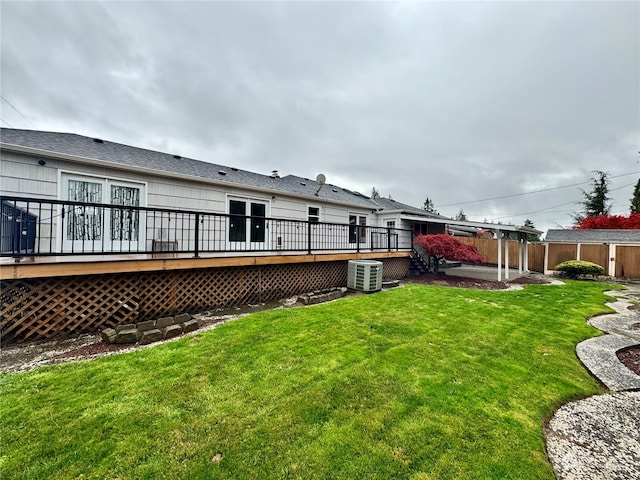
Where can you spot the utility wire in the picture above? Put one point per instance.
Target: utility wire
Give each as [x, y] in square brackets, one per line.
[19, 113]
[6, 123]
[547, 208]
[527, 193]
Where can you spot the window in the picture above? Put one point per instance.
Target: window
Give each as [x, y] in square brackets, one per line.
[363, 230]
[391, 224]
[314, 214]
[237, 225]
[247, 223]
[357, 223]
[125, 222]
[258, 223]
[85, 223]
[106, 228]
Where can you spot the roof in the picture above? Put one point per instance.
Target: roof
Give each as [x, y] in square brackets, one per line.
[593, 236]
[393, 205]
[124, 155]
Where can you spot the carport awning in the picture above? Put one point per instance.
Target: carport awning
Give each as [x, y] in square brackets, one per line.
[521, 232]
[465, 223]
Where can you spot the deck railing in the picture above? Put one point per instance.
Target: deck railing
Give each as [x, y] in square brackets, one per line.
[33, 227]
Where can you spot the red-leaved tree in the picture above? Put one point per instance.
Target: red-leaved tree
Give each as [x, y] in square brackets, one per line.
[450, 248]
[616, 222]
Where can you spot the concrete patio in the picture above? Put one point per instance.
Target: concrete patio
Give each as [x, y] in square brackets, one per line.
[482, 272]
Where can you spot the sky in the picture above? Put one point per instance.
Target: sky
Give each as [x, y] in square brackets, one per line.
[460, 102]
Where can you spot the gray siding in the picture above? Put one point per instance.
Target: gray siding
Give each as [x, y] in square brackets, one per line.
[21, 175]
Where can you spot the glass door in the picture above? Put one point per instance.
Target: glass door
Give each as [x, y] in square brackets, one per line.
[84, 225]
[98, 228]
[247, 224]
[124, 223]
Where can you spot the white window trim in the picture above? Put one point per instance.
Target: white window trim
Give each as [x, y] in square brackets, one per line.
[320, 213]
[73, 175]
[235, 196]
[65, 175]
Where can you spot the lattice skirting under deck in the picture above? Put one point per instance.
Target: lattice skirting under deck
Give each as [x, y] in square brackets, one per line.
[41, 308]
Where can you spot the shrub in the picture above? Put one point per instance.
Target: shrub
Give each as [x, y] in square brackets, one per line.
[446, 246]
[575, 268]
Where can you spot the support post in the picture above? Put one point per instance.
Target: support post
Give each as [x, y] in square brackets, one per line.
[499, 237]
[506, 257]
[519, 254]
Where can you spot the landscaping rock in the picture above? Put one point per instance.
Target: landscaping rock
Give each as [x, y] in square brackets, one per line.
[190, 326]
[108, 335]
[182, 318]
[150, 336]
[120, 328]
[127, 336]
[164, 322]
[172, 331]
[144, 326]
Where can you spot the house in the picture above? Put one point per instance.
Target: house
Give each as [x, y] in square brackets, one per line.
[96, 233]
[394, 214]
[68, 167]
[617, 251]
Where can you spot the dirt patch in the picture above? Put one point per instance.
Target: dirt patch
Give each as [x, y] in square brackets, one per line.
[630, 357]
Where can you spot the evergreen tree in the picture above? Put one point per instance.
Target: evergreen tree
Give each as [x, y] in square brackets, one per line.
[461, 216]
[595, 202]
[531, 237]
[427, 206]
[635, 200]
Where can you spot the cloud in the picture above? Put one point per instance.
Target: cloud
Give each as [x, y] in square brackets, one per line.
[455, 101]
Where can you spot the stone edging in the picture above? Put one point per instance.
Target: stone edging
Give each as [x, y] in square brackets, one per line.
[598, 354]
[597, 437]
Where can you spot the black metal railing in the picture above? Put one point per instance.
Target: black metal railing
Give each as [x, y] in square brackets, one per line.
[33, 227]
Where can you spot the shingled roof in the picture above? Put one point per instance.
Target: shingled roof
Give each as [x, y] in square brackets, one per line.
[387, 204]
[125, 155]
[593, 236]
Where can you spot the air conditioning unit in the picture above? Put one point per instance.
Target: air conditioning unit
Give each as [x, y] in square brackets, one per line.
[364, 275]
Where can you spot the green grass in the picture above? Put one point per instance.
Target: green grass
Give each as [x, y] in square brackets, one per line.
[417, 383]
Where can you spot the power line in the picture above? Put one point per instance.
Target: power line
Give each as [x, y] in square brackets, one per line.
[573, 202]
[527, 193]
[6, 123]
[19, 113]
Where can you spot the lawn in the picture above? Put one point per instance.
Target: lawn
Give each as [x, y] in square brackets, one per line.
[417, 383]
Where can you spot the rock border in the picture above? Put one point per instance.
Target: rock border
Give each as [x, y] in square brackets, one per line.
[599, 436]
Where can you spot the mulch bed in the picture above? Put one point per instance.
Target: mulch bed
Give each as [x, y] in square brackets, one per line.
[477, 283]
[94, 349]
[631, 358]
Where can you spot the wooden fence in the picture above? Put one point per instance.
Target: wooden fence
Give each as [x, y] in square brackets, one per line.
[627, 257]
[489, 248]
[628, 261]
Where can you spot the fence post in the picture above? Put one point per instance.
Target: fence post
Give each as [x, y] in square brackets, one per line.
[309, 237]
[388, 239]
[197, 237]
[358, 227]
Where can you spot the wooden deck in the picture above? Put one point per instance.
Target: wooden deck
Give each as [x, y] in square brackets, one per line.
[65, 266]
